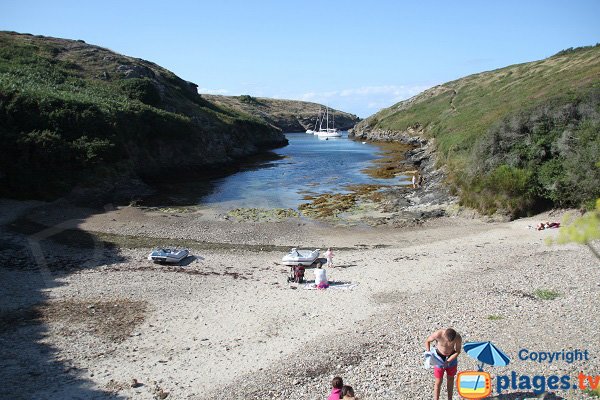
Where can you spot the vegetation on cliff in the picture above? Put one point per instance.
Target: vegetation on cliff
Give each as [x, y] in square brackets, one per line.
[287, 115]
[517, 139]
[73, 113]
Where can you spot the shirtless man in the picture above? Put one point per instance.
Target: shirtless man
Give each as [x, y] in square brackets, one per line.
[448, 347]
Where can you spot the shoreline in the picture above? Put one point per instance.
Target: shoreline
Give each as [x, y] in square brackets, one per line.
[228, 323]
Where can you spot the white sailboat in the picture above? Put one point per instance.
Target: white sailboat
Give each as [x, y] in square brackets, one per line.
[328, 132]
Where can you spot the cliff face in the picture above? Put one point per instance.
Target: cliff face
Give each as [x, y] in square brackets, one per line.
[75, 113]
[287, 115]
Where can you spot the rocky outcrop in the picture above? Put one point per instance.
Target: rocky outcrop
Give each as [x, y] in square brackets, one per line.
[134, 71]
[411, 136]
[287, 115]
[433, 197]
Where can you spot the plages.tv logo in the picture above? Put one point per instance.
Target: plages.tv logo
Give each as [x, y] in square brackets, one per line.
[474, 384]
[478, 384]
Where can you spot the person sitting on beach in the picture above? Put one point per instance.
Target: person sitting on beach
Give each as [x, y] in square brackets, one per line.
[336, 389]
[547, 225]
[347, 393]
[329, 257]
[321, 279]
[448, 347]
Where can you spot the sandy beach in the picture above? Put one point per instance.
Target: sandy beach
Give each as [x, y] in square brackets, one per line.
[85, 315]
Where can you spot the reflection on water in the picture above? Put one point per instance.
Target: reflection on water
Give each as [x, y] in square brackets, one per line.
[307, 165]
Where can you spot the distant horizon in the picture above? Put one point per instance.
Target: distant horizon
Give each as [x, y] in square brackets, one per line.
[391, 50]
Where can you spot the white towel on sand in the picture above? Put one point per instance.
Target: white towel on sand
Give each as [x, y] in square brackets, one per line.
[333, 285]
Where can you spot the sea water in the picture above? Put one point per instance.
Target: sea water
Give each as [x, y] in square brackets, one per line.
[307, 166]
[281, 178]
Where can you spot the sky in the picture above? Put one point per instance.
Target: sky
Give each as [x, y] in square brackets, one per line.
[356, 56]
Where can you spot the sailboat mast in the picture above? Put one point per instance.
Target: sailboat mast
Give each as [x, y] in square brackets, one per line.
[317, 119]
[327, 119]
[320, 120]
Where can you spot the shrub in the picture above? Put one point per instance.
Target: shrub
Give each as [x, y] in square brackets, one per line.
[142, 89]
[536, 158]
[546, 294]
[248, 99]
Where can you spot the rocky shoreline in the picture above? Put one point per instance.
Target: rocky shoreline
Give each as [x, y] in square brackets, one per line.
[433, 197]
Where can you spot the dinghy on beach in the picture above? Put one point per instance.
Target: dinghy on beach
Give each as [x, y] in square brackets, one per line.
[300, 257]
[168, 255]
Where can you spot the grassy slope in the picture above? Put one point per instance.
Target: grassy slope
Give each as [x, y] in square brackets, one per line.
[463, 114]
[72, 111]
[289, 115]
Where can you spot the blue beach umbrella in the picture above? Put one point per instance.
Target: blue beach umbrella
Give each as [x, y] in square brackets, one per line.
[486, 353]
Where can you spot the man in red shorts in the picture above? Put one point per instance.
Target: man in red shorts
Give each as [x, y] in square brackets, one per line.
[448, 347]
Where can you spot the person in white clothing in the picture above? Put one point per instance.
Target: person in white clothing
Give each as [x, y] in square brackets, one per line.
[321, 278]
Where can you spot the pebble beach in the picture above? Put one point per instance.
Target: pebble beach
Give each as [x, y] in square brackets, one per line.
[98, 320]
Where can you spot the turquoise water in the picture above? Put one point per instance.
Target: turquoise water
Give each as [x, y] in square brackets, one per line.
[472, 382]
[307, 165]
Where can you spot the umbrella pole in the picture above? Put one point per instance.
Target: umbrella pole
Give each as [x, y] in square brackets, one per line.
[478, 376]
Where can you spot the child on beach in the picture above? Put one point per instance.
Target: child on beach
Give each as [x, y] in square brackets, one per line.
[347, 393]
[336, 389]
[329, 257]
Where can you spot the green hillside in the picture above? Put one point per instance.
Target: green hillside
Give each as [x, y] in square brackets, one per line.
[288, 115]
[77, 114]
[520, 138]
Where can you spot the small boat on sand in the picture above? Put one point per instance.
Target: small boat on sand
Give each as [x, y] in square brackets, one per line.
[168, 255]
[301, 257]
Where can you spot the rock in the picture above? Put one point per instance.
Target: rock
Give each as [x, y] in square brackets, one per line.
[135, 71]
[135, 383]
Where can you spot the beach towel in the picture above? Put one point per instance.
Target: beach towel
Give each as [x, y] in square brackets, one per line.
[432, 359]
[338, 285]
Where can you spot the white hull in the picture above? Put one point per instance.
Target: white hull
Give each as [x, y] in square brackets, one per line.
[329, 133]
[310, 131]
[168, 255]
[300, 257]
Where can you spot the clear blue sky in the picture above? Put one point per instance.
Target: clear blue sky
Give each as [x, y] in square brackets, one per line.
[357, 56]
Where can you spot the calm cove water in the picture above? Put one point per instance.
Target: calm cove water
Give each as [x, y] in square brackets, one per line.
[308, 165]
